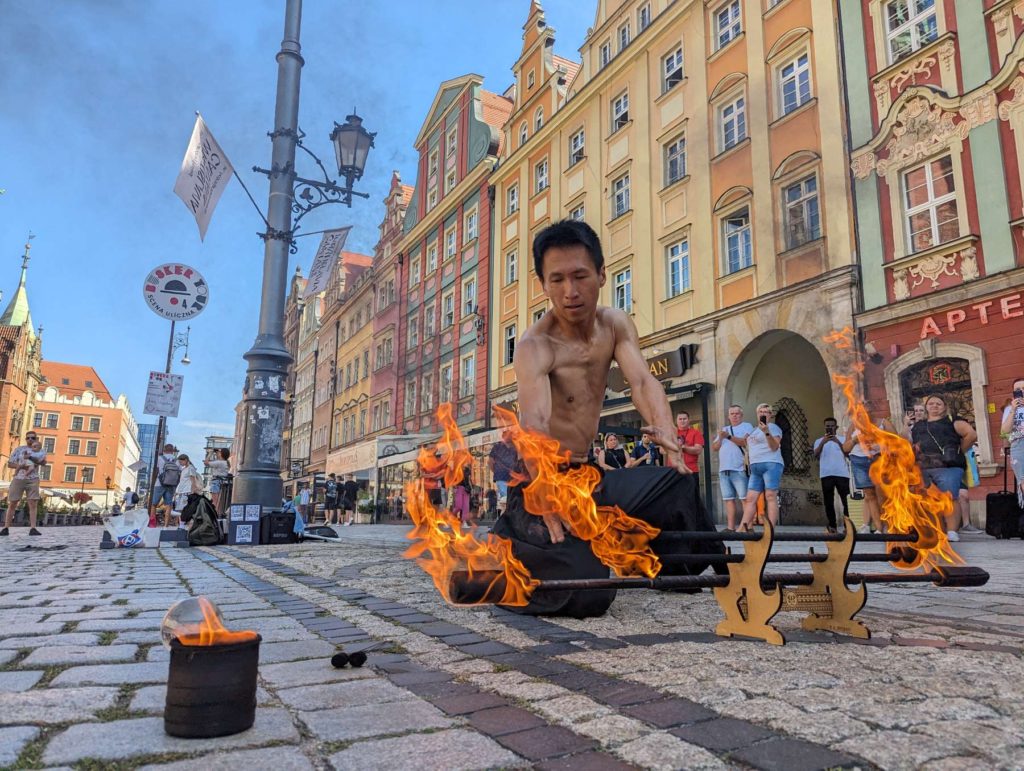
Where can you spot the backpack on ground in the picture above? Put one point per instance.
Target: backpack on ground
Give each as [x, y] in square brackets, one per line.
[170, 475]
[203, 528]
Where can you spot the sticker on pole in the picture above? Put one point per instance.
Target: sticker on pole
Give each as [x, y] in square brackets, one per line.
[175, 292]
[163, 394]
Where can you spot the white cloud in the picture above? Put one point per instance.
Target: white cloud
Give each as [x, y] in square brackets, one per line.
[204, 425]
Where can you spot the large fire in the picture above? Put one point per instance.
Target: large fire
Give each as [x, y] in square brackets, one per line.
[441, 546]
[906, 503]
[212, 632]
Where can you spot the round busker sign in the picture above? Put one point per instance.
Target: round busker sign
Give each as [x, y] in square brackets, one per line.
[176, 292]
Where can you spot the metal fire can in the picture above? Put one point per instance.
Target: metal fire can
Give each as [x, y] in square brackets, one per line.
[211, 690]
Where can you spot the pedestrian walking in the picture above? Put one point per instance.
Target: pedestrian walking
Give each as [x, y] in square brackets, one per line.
[463, 497]
[168, 474]
[349, 496]
[304, 498]
[730, 443]
[331, 500]
[218, 467]
[189, 483]
[25, 460]
[502, 459]
[130, 499]
[833, 471]
[764, 449]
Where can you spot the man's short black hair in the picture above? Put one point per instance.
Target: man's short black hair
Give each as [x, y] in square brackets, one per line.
[566, 233]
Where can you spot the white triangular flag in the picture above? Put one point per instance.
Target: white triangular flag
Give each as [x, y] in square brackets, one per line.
[204, 174]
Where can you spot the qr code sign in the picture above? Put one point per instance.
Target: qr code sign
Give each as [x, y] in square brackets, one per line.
[243, 534]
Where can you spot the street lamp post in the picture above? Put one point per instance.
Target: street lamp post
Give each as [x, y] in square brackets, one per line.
[176, 341]
[259, 471]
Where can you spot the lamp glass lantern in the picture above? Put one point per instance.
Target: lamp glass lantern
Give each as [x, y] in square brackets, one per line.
[352, 144]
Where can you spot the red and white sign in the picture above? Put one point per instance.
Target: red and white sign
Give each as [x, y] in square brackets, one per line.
[176, 292]
[1009, 307]
[163, 396]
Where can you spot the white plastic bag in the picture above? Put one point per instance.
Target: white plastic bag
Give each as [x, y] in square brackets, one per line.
[127, 529]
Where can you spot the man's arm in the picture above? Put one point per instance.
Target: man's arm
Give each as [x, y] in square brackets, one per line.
[648, 395]
[696, 448]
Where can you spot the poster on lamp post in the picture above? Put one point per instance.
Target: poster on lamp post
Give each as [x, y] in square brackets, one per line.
[163, 396]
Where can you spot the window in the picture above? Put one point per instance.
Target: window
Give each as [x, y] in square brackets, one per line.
[794, 83]
[512, 199]
[74, 447]
[727, 23]
[469, 297]
[577, 213]
[624, 36]
[620, 111]
[451, 142]
[431, 258]
[451, 243]
[620, 196]
[910, 24]
[414, 332]
[366, 363]
[65, 381]
[672, 70]
[540, 176]
[37, 420]
[44, 473]
[91, 447]
[467, 379]
[447, 310]
[348, 375]
[675, 160]
[51, 419]
[605, 54]
[432, 163]
[77, 421]
[385, 414]
[362, 423]
[88, 384]
[427, 396]
[538, 119]
[732, 121]
[470, 224]
[930, 204]
[736, 233]
[509, 351]
[678, 259]
[446, 383]
[643, 18]
[432, 198]
[410, 396]
[511, 267]
[414, 271]
[375, 419]
[539, 314]
[87, 474]
[524, 133]
[624, 290]
[576, 147]
[49, 444]
[378, 360]
[530, 79]
[70, 473]
[449, 182]
[802, 218]
[389, 350]
[428, 321]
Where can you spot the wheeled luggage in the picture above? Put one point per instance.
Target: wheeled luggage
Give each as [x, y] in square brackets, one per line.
[1004, 517]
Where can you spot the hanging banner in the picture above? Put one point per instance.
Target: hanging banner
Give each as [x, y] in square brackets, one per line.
[326, 257]
[163, 396]
[205, 172]
[175, 292]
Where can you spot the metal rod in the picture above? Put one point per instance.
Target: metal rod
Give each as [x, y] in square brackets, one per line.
[768, 581]
[682, 535]
[715, 559]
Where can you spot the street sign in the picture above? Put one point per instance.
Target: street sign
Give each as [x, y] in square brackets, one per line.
[175, 292]
[163, 394]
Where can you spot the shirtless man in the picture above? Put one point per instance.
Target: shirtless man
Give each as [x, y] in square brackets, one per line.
[562, 361]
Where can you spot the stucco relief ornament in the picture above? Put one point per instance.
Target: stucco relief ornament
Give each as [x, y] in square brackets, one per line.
[900, 288]
[920, 67]
[932, 268]
[969, 264]
[921, 128]
[882, 97]
[1011, 105]
[863, 164]
[1001, 21]
[947, 51]
[980, 111]
[1018, 9]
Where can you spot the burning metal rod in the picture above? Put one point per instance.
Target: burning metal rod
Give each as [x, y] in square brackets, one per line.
[488, 586]
[683, 535]
[897, 554]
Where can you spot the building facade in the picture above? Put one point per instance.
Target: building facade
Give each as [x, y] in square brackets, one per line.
[703, 141]
[936, 104]
[147, 453]
[446, 248]
[90, 437]
[292, 314]
[214, 442]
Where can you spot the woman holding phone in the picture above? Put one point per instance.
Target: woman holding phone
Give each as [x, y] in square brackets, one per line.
[764, 450]
[1013, 427]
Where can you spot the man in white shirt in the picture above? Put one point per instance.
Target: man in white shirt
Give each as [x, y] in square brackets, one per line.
[832, 468]
[26, 461]
[732, 474]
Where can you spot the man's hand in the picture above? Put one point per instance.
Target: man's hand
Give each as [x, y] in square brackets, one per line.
[555, 527]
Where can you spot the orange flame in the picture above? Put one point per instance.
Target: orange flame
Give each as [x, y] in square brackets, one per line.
[212, 631]
[440, 546]
[906, 503]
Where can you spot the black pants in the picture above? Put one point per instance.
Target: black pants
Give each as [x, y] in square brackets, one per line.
[829, 485]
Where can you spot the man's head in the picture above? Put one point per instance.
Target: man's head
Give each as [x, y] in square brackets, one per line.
[735, 414]
[35, 444]
[645, 438]
[683, 420]
[568, 260]
[331, 477]
[168, 448]
[506, 436]
[831, 426]
[31, 437]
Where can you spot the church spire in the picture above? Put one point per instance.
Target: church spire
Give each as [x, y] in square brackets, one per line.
[17, 312]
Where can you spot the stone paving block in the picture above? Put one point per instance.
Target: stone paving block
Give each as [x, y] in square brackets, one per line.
[80, 654]
[158, 653]
[7, 655]
[723, 734]
[356, 693]
[586, 761]
[498, 721]
[464, 703]
[275, 758]
[792, 755]
[118, 625]
[151, 699]
[112, 674]
[121, 739]
[610, 730]
[137, 638]
[310, 672]
[663, 752]
[277, 652]
[456, 750]
[417, 678]
[51, 706]
[668, 713]
[367, 720]
[545, 742]
[29, 629]
[11, 682]
[486, 649]
[620, 693]
[13, 741]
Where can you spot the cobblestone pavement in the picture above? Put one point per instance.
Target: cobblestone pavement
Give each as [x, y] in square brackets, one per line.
[82, 674]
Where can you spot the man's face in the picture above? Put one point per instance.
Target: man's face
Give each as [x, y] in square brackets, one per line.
[682, 421]
[571, 282]
[831, 426]
[506, 437]
[735, 415]
[645, 439]
[31, 439]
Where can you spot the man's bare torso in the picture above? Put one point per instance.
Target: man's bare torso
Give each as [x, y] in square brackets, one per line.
[578, 373]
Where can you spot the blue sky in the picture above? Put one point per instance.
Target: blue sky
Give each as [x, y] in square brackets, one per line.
[97, 102]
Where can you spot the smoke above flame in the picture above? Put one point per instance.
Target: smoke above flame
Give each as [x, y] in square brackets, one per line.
[906, 503]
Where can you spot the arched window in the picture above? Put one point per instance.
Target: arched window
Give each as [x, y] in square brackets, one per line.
[948, 377]
[795, 445]
[524, 134]
[538, 119]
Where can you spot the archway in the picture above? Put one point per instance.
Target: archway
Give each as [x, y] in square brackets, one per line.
[785, 370]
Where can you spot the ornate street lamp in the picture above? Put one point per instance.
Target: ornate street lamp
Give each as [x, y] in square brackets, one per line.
[352, 144]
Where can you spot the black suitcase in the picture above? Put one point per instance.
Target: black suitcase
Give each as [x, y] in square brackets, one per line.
[1004, 517]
